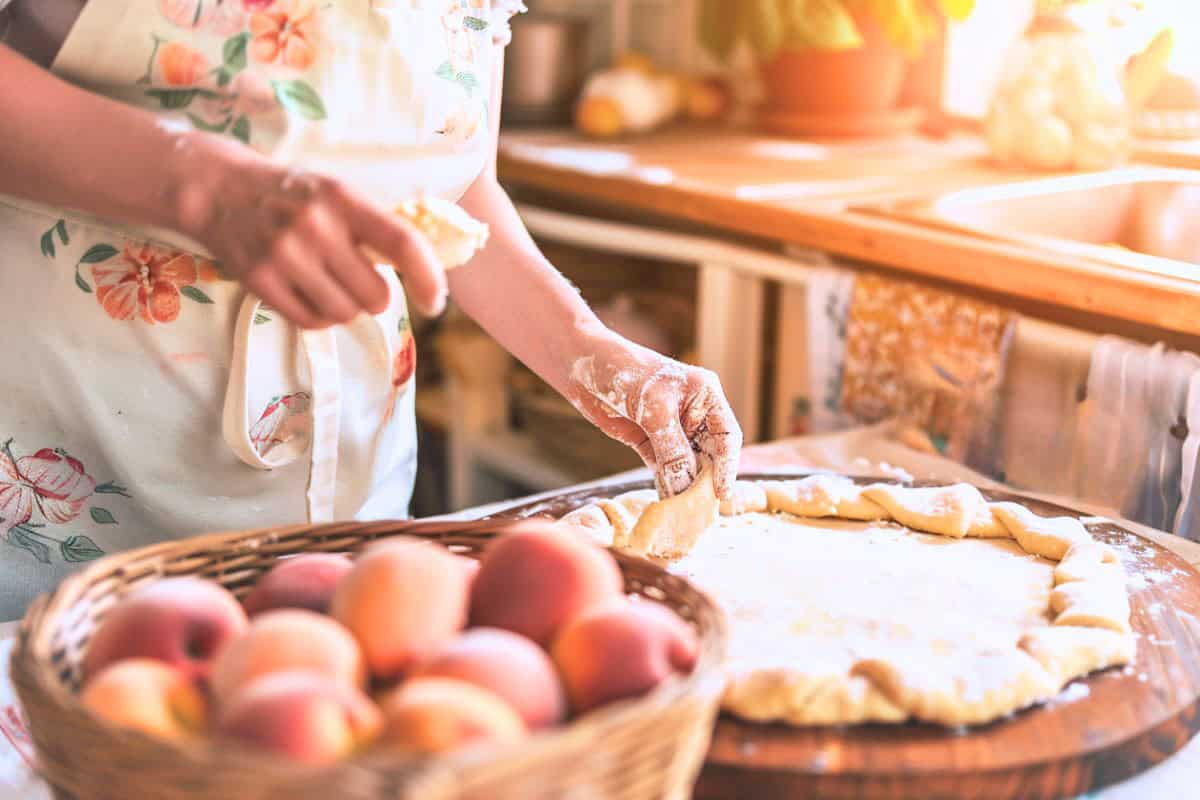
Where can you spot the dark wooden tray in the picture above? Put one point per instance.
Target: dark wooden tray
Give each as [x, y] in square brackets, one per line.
[1120, 722]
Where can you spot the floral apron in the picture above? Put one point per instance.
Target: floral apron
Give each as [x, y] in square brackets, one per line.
[144, 397]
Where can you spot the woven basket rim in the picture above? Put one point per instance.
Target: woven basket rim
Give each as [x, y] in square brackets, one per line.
[33, 671]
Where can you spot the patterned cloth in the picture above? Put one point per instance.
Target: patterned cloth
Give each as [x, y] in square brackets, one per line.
[144, 396]
[931, 360]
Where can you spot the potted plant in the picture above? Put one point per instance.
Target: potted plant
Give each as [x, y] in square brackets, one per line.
[832, 57]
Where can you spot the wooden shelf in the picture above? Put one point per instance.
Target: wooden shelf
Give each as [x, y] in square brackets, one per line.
[804, 193]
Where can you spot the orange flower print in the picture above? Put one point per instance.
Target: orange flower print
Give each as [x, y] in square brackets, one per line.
[181, 65]
[287, 32]
[145, 281]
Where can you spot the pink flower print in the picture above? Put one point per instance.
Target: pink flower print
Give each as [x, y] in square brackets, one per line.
[282, 420]
[16, 494]
[226, 17]
[60, 481]
[14, 729]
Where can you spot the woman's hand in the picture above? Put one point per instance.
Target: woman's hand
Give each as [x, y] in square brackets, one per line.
[297, 239]
[666, 411]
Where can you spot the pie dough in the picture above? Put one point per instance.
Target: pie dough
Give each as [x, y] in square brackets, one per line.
[885, 603]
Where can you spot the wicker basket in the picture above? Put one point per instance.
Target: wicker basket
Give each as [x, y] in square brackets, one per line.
[651, 747]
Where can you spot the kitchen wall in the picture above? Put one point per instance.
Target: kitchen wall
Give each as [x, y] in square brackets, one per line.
[664, 29]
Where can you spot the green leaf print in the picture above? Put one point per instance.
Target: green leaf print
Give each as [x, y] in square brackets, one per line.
[24, 539]
[102, 516]
[192, 293]
[234, 52]
[173, 98]
[112, 487]
[300, 98]
[467, 80]
[475, 23]
[208, 126]
[81, 283]
[97, 253]
[47, 240]
[48, 243]
[241, 129]
[261, 318]
[446, 70]
[79, 548]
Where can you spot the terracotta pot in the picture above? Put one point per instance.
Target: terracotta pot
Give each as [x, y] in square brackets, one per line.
[865, 80]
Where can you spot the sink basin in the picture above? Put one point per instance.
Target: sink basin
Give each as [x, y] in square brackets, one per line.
[1146, 218]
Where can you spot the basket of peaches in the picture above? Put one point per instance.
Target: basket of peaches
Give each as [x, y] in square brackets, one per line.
[432, 660]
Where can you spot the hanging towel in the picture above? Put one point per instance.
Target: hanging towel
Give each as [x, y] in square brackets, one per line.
[1046, 379]
[828, 303]
[1132, 428]
[932, 360]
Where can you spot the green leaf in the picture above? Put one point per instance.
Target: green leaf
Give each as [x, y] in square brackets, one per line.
[81, 283]
[234, 52]
[824, 24]
[80, 548]
[224, 76]
[475, 23]
[260, 318]
[173, 98]
[97, 253]
[299, 97]
[192, 293]
[467, 80]
[717, 27]
[208, 126]
[112, 487]
[61, 227]
[404, 324]
[48, 243]
[20, 538]
[241, 129]
[446, 70]
[102, 516]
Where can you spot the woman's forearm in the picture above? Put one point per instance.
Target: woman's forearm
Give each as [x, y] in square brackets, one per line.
[64, 146]
[511, 290]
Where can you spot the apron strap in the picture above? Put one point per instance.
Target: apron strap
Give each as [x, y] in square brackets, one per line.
[320, 349]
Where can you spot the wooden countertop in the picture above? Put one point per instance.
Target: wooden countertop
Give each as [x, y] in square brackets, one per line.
[815, 196]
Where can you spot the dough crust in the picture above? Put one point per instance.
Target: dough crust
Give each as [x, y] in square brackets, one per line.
[865, 621]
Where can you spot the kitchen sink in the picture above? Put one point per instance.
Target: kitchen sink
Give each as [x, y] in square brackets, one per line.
[1143, 217]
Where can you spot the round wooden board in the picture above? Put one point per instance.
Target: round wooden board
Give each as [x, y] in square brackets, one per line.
[1104, 728]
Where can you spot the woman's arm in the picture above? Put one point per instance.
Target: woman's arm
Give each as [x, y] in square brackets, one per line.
[663, 409]
[291, 239]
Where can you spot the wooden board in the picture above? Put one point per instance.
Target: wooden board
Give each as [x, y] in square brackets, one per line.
[1102, 730]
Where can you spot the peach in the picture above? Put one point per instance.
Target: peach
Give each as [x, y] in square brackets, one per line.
[622, 649]
[148, 695]
[536, 578]
[404, 599]
[302, 582]
[302, 715]
[182, 621]
[284, 641]
[436, 715]
[511, 666]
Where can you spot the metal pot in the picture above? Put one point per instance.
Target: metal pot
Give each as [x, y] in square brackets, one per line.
[544, 68]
